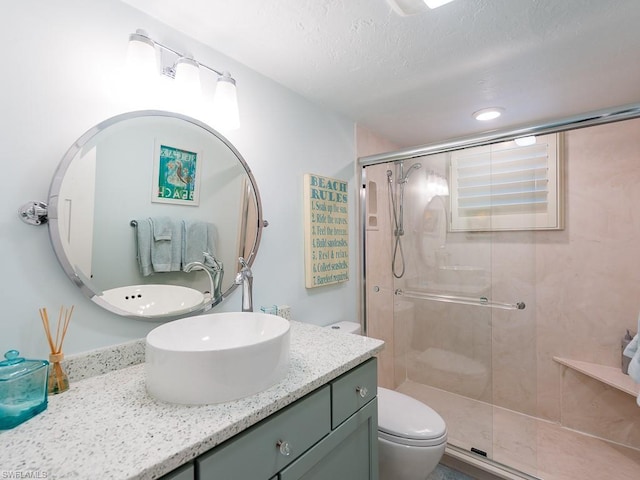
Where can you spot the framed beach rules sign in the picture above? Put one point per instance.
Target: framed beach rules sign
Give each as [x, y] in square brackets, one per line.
[326, 231]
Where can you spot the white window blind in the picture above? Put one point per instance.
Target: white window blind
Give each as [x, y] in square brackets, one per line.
[507, 187]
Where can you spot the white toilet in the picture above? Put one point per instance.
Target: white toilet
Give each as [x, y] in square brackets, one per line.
[411, 436]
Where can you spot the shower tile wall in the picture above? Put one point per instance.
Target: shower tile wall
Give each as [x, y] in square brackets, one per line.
[588, 283]
[581, 286]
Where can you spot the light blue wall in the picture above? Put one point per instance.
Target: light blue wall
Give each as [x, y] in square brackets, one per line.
[61, 75]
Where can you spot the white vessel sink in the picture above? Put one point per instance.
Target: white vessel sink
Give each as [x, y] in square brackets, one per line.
[217, 357]
[154, 301]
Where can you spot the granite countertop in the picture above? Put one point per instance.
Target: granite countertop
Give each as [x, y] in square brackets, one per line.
[108, 427]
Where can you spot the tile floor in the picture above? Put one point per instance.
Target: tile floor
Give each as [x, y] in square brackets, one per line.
[445, 473]
[536, 447]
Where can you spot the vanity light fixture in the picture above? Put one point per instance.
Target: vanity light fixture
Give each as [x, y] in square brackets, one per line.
[488, 114]
[225, 102]
[142, 59]
[186, 73]
[141, 55]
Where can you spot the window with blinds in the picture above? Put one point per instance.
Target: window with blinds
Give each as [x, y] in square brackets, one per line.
[505, 186]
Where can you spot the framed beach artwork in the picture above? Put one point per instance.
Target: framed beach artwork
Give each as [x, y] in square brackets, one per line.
[176, 175]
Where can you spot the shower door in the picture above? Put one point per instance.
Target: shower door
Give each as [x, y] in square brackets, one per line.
[455, 308]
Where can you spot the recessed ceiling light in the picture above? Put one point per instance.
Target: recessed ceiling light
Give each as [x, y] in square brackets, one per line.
[436, 3]
[413, 7]
[488, 113]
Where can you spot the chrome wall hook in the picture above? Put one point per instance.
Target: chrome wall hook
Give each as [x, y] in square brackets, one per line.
[34, 213]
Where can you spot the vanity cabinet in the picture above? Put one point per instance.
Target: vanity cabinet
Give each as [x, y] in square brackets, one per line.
[329, 434]
[185, 472]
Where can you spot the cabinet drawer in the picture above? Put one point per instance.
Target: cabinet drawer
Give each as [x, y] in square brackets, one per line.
[352, 391]
[255, 453]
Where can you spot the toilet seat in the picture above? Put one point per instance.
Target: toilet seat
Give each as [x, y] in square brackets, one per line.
[412, 442]
[407, 421]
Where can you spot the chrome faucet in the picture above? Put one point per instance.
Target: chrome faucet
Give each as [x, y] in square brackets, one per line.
[191, 266]
[218, 272]
[214, 271]
[245, 278]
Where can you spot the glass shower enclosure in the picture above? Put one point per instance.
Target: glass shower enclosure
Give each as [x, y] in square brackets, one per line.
[454, 302]
[499, 310]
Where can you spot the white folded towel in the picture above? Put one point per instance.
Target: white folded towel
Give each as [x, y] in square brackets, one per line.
[633, 352]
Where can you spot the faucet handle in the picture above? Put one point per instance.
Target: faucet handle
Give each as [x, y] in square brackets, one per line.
[243, 262]
[212, 261]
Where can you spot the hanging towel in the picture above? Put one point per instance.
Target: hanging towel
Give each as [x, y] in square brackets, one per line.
[198, 237]
[633, 351]
[143, 246]
[212, 234]
[166, 253]
[162, 228]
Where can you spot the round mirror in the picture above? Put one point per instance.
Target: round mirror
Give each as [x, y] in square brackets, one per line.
[149, 212]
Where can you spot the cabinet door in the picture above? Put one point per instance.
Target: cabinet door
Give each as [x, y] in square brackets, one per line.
[185, 472]
[350, 451]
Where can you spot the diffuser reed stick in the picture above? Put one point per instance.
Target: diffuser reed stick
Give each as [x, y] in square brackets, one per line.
[58, 380]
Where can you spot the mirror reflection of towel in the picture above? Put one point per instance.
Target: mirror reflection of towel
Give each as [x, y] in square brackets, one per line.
[198, 237]
[166, 245]
[143, 246]
[162, 228]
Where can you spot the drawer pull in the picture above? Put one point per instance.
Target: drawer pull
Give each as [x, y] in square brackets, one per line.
[362, 391]
[284, 447]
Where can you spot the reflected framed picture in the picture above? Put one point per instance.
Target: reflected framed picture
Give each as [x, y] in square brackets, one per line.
[176, 175]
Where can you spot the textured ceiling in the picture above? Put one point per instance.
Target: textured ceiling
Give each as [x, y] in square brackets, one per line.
[417, 79]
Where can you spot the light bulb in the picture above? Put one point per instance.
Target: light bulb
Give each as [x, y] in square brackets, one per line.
[187, 74]
[141, 56]
[225, 104]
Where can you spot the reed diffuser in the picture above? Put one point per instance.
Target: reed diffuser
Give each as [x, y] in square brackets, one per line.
[58, 380]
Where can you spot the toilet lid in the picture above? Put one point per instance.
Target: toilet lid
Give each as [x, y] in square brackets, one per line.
[403, 416]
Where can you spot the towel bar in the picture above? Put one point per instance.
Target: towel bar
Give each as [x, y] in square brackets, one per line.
[481, 302]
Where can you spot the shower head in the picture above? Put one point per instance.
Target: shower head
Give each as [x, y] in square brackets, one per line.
[413, 167]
